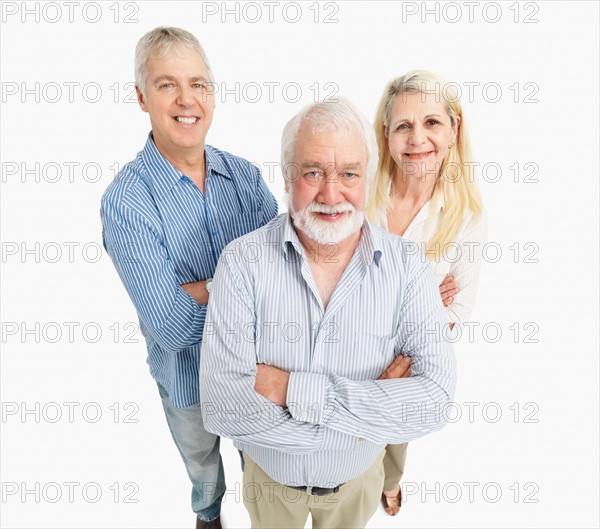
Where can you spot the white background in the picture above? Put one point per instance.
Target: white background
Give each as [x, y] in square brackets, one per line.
[544, 461]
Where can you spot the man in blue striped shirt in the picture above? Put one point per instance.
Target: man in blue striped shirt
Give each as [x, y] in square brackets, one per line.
[313, 323]
[166, 218]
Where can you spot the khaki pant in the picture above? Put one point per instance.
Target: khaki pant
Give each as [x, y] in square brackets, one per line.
[272, 505]
[393, 465]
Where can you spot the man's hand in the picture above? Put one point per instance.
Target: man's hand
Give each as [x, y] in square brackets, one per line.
[448, 289]
[198, 291]
[399, 368]
[272, 383]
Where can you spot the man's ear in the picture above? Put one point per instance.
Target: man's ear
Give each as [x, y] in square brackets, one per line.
[140, 98]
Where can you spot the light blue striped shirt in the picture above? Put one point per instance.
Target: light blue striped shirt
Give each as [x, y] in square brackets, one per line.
[265, 308]
[161, 231]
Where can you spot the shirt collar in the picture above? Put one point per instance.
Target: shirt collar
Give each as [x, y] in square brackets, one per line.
[159, 171]
[164, 175]
[214, 163]
[369, 244]
[289, 238]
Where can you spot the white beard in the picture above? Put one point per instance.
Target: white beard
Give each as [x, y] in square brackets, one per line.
[324, 232]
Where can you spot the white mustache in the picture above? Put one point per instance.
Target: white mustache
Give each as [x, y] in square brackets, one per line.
[315, 207]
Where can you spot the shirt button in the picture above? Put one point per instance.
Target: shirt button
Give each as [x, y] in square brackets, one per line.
[319, 369]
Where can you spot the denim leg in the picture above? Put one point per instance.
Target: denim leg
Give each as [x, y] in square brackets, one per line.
[199, 450]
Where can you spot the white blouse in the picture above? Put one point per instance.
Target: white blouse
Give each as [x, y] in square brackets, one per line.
[462, 259]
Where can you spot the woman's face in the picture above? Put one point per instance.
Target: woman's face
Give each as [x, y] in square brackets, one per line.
[420, 133]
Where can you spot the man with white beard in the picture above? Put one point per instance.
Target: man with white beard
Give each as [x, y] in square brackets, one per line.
[317, 349]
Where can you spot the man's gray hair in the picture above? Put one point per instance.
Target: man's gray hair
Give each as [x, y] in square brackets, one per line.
[157, 43]
[329, 115]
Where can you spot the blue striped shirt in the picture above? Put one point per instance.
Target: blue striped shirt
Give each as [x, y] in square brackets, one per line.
[266, 308]
[161, 231]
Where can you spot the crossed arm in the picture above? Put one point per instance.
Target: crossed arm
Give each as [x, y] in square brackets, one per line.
[272, 382]
[171, 312]
[197, 291]
[246, 400]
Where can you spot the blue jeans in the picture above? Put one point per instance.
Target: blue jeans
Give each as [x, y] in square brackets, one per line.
[200, 453]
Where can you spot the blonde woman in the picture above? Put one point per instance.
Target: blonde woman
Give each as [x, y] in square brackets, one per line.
[426, 192]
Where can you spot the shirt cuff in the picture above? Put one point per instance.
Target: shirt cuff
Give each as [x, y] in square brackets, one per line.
[306, 396]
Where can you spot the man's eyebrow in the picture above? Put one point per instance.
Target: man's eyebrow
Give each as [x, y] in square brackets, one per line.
[162, 78]
[353, 165]
[309, 164]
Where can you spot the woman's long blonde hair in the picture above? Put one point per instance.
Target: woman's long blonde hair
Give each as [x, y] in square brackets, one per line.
[456, 181]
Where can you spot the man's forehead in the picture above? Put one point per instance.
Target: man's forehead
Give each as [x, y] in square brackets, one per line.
[313, 128]
[347, 147]
[324, 134]
[170, 72]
